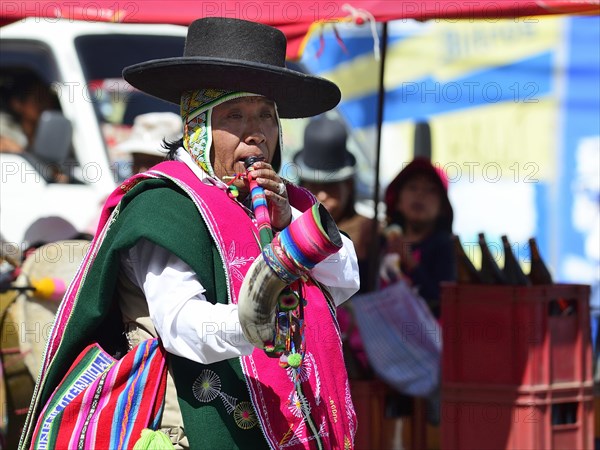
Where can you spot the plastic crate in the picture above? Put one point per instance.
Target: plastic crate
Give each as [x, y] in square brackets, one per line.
[516, 335]
[483, 418]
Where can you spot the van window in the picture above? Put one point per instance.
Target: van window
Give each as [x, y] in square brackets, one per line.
[28, 76]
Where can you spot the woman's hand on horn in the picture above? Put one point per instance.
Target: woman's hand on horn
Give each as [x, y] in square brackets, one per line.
[280, 211]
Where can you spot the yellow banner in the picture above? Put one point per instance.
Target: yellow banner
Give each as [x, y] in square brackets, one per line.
[500, 141]
[447, 51]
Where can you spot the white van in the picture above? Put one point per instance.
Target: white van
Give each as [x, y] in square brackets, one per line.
[82, 62]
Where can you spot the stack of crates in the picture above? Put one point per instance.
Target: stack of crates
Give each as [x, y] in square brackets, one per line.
[516, 367]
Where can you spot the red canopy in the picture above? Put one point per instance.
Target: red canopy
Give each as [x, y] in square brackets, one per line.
[294, 18]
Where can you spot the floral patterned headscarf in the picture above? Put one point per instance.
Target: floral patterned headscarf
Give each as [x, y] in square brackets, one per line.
[196, 112]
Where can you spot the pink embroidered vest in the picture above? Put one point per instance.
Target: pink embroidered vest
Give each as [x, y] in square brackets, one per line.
[320, 414]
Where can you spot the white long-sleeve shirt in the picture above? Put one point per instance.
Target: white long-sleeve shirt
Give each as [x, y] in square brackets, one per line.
[188, 324]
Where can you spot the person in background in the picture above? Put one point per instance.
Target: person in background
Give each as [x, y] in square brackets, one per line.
[418, 237]
[12, 138]
[418, 248]
[144, 147]
[50, 229]
[52, 251]
[181, 275]
[24, 99]
[144, 144]
[327, 169]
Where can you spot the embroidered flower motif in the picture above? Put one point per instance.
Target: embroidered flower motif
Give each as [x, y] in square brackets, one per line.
[235, 262]
[207, 386]
[299, 406]
[244, 416]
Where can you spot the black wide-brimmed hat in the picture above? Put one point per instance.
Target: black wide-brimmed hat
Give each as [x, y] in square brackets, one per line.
[235, 55]
[324, 157]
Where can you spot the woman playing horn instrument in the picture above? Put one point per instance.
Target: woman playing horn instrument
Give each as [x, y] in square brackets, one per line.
[178, 257]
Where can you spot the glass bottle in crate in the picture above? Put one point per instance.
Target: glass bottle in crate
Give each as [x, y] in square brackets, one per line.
[490, 273]
[512, 269]
[539, 273]
[465, 270]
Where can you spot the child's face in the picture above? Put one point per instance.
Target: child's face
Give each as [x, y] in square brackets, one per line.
[420, 201]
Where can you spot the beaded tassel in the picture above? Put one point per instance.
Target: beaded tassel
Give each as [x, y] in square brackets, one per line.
[289, 316]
